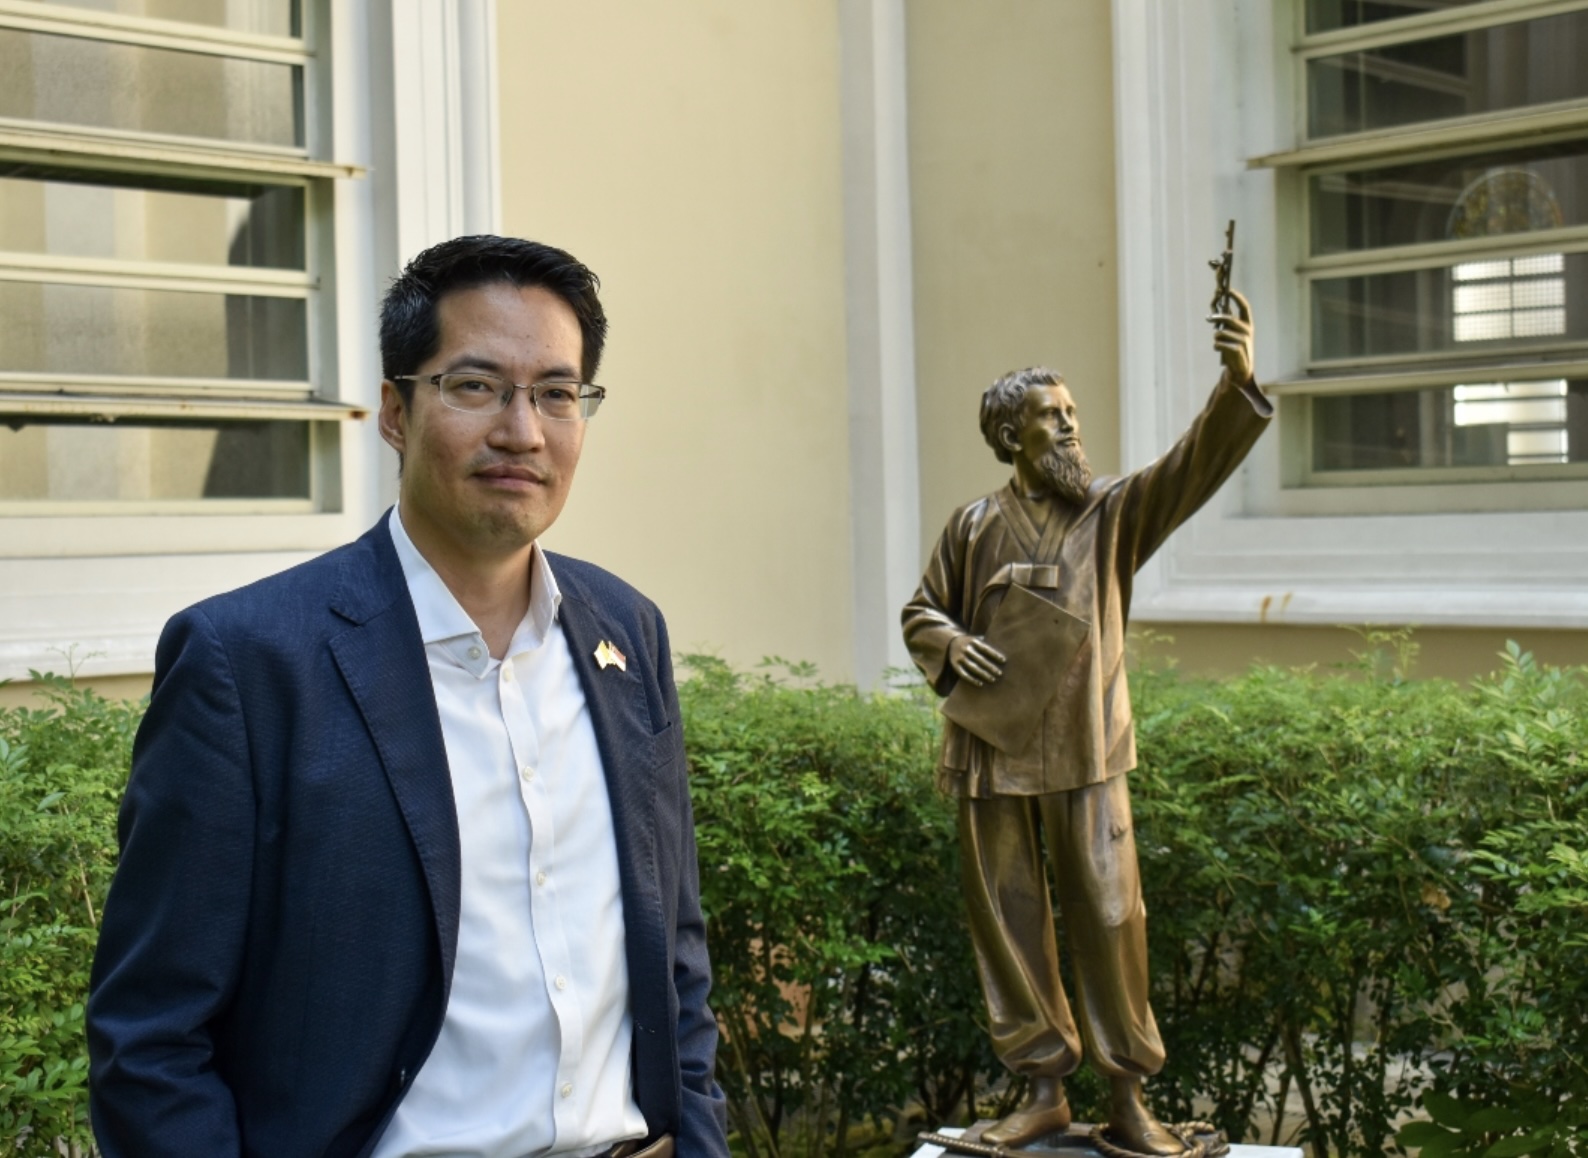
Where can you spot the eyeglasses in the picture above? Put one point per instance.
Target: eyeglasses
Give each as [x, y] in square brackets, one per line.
[558, 399]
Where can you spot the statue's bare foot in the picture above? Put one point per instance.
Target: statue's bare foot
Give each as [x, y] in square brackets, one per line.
[1131, 1125]
[1045, 1111]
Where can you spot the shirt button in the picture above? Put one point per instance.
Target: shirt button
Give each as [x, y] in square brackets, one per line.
[507, 673]
[567, 1090]
[474, 653]
[562, 983]
[540, 877]
[527, 773]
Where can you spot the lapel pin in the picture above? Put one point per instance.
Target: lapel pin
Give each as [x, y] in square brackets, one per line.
[606, 655]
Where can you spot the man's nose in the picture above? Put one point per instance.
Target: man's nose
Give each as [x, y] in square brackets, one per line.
[520, 426]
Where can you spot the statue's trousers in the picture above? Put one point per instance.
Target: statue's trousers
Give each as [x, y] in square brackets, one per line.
[1092, 848]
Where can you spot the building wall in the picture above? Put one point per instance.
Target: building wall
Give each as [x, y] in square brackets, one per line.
[1457, 653]
[691, 155]
[25, 693]
[1013, 162]
[1012, 196]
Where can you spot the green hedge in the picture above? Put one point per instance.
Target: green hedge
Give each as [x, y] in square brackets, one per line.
[1368, 891]
[62, 768]
[1361, 889]
[842, 975]
[1379, 886]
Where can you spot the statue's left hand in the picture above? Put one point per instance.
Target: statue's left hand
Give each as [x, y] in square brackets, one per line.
[1232, 337]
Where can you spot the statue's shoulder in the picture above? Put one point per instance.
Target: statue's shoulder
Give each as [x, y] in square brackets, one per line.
[974, 513]
[1104, 485]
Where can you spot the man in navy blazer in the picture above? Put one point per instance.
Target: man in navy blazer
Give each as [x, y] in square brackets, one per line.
[302, 952]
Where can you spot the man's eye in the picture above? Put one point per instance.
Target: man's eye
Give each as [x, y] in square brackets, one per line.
[558, 392]
[473, 386]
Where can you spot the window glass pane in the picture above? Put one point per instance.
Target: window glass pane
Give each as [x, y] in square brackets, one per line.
[1483, 424]
[268, 17]
[96, 84]
[71, 329]
[153, 461]
[1507, 66]
[77, 215]
[1459, 197]
[1323, 15]
[1475, 307]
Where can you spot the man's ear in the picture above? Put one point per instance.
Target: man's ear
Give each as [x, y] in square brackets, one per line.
[392, 418]
[1007, 435]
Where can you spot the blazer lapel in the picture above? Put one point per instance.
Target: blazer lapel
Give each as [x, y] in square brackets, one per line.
[382, 658]
[622, 722]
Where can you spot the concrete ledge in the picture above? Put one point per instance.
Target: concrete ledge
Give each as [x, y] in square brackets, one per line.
[1076, 1144]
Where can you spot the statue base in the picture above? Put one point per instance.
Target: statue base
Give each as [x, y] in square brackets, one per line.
[1076, 1142]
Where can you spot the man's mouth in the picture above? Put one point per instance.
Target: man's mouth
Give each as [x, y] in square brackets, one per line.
[515, 477]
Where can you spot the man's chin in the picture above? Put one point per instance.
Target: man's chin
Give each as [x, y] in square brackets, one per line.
[506, 524]
[508, 531]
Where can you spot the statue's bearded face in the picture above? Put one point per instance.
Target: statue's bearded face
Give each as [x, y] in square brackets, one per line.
[1049, 440]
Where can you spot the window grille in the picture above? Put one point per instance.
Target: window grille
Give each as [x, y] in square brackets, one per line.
[166, 343]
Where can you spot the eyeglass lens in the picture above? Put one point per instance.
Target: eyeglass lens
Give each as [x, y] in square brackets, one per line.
[487, 393]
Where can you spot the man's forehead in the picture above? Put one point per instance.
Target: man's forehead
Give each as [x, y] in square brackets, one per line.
[1040, 395]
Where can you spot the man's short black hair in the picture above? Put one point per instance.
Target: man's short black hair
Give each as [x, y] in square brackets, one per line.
[409, 327]
[1002, 401]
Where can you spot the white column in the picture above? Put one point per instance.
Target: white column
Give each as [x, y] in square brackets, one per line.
[884, 451]
[434, 167]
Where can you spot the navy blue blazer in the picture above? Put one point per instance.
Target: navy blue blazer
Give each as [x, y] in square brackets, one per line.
[278, 942]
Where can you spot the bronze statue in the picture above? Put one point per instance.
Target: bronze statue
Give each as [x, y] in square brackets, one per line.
[1020, 621]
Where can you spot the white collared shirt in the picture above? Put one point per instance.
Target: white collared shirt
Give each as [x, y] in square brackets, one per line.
[534, 1052]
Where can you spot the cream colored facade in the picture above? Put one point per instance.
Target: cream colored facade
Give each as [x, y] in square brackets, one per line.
[732, 134]
[822, 229]
[700, 175]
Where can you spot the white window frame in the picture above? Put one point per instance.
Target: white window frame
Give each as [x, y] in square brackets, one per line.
[103, 585]
[1202, 87]
[1400, 372]
[122, 398]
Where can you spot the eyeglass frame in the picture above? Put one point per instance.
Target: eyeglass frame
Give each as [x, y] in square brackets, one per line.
[598, 396]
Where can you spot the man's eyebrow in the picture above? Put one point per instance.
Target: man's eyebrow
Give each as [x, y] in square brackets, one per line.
[472, 362]
[491, 366]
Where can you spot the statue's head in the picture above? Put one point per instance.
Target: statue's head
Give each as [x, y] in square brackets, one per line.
[1029, 419]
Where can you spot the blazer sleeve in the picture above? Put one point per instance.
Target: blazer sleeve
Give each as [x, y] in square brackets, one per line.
[703, 1114]
[171, 938]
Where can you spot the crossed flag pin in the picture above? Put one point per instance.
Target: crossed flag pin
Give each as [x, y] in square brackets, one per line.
[606, 655]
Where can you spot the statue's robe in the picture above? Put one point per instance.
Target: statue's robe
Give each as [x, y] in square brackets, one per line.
[1085, 559]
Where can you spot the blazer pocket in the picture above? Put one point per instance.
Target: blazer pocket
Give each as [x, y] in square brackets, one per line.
[665, 746]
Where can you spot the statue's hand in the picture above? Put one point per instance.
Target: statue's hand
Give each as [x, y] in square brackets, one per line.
[1232, 337]
[975, 661]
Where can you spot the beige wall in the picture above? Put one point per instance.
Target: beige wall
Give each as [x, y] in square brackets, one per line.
[690, 154]
[1203, 649]
[1220, 649]
[24, 694]
[1012, 186]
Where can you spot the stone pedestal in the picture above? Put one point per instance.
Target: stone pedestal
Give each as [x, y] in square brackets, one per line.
[1077, 1144]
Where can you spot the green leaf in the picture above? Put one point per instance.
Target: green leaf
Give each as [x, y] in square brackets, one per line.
[1414, 1134]
[1495, 1119]
[1445, 1110]
[1521, 1144]
[1444, 1146]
